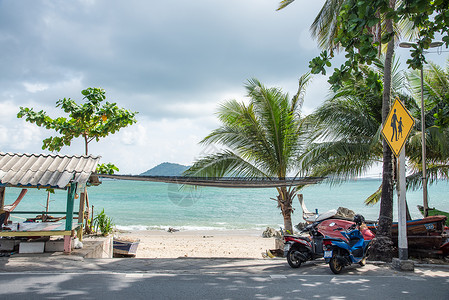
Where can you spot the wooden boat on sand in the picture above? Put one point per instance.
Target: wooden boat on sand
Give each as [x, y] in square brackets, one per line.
[425, 237]
[125, 247]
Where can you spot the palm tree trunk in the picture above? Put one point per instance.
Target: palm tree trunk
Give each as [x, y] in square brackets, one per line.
[285, 203]
[288, 223]
[382, 246]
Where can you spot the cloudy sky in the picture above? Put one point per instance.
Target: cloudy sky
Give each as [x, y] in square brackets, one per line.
[172, 61]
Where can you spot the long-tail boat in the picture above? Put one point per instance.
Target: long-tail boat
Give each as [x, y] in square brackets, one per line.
[426, 237]
[434, 212]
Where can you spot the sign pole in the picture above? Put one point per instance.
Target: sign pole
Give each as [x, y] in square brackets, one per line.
[396, 130]
[402, 219]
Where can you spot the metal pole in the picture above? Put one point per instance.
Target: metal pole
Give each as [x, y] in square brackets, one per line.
[423, 136]
[434, 44]
[402, 218]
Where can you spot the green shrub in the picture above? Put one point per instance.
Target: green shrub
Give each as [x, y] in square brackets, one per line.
[103, 223]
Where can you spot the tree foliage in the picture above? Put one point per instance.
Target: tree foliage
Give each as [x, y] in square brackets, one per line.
[436, 94]
[356, 36]
[354, 32]
[91, 120]
[346, 139]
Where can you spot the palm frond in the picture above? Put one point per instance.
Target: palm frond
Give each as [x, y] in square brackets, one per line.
[298, 98]
[223, 164]
[325, 26]
[434, 174]
[340, 159]
[375, 197]
[284, 3]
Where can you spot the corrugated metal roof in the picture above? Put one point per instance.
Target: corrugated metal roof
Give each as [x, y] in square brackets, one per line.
[45, 170]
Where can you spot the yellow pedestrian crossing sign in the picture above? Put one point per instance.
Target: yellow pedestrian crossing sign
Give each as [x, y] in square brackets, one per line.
[397, 127]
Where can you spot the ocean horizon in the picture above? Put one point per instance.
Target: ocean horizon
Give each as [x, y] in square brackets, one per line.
[141, 205]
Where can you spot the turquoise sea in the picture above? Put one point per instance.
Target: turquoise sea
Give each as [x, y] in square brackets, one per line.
[142, 205]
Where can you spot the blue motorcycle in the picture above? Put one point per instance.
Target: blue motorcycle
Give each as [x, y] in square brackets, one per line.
[352, 248]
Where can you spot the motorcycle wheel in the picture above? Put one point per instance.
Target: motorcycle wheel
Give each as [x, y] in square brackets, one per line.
[335, 265]
[292, 260]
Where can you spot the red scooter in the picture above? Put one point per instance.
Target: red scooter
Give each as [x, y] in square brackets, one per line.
[299, 249]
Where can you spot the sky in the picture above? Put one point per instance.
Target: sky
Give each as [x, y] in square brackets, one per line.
[171, 61]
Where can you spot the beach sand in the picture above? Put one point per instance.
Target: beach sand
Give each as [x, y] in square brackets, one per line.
[193, 243]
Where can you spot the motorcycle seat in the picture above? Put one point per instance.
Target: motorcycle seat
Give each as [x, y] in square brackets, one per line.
[298, 237]
[333, 239]
[304, 238]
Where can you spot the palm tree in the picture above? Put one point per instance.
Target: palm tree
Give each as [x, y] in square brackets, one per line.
[436, 93]
[325, 28]
[346, 128]
[261, 139]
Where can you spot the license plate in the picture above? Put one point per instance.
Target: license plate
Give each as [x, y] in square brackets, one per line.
[327, 254]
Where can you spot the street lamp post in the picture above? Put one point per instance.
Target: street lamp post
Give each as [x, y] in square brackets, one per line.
[423, 125]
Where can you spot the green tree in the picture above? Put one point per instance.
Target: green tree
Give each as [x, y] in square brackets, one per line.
[261, 139]
[91, 120]
[346, 128]
[361, 28]
[354, 26]
[436, 92]
[436, 95]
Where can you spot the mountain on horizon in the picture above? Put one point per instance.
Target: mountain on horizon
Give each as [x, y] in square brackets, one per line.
[166, 169]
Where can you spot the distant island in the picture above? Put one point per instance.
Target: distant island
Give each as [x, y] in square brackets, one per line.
[166, 169]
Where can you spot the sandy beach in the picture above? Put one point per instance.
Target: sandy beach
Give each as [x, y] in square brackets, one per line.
[195, 243]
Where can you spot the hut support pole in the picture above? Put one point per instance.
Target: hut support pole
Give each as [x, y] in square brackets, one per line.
[81, 213]
[2, 197]
[69, 217]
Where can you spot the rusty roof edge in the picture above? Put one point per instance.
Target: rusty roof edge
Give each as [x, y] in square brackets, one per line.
[50, 154]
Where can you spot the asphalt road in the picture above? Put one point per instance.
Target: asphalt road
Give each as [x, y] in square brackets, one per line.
[71, 278]
[215, 286]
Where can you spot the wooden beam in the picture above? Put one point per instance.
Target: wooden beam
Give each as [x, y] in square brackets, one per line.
[42, 212]
[35, 233]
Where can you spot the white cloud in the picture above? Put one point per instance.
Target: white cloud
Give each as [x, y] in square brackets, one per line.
[173, 66]
[140, 147]
[35, 87]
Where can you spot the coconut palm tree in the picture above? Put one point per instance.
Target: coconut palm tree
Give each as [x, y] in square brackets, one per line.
[260, 139]
[436, 93]
[346, 129]
[325, 28]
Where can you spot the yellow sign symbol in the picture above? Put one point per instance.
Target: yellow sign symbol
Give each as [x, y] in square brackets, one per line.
[398, 126]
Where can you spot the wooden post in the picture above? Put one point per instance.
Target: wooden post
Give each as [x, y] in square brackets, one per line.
[81, 213]
[2, 197]
[69, 217]
[92, 219]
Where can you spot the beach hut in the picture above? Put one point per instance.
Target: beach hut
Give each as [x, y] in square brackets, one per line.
[64, 172]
